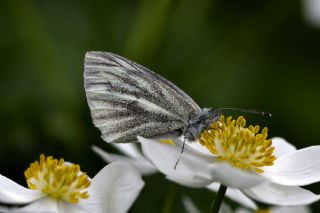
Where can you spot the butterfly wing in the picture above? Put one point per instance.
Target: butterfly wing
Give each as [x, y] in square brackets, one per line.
[127, 99]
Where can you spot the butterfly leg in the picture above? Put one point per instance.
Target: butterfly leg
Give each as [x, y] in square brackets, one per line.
[182, 149]
[185, 131]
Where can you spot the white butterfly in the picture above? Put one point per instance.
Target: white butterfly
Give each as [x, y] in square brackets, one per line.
[127, 99]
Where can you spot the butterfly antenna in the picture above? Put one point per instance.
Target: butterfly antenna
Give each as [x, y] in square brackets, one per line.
[251, 111]
[182, 149]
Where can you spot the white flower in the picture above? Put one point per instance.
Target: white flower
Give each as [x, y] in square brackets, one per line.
[274, 209]
[241, 158]
[311, 10]
[189, 205]
[191, 208]
[235, 195]
[134, 156]
[59, 187]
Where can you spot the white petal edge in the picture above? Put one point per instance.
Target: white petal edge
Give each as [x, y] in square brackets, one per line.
[296, 169]
[189, 206]
[142, 164]
[196, 147]
[13, 193]
[235, 195]
[43, 205]
[243, 210]
[280, 209]
[234, 177]
[130, 149]
[192, 170]
[294, 209]
[225, 209]
[194, 181]
[282, 147]
[113, 189]
[276, 194]
[311, 10]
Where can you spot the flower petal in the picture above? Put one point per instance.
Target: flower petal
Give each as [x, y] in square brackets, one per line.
[43, 205]
[113, 189]
[279, 209]
[296, 169]
[191, 208]
[311, 12]
[234, 177]
[276, 194]
[235, 195]
[13, 193]
[65, 207]
[294, 209]
[142, 164]
[242, 210]
[196, 146]
[225, 209]
[130, 149]
[282, 147]
[192, 170]
[189, 205]
[189, 180]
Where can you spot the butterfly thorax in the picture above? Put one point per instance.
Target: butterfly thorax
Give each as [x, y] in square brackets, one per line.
[202, 122]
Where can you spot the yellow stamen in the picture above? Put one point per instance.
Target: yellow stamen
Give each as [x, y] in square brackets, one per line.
[57, 179]
[243, 147]
[167, 141]
[263, 211]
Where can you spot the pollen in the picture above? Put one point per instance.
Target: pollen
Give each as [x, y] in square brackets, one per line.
[243, 147]
[167, 141]
[58, 179]
[263, 211]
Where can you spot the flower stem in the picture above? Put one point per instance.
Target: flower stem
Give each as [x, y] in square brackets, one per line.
[216, 204]
[170, 196]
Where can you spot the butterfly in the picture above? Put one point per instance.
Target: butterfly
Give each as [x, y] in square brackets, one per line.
[127, 100]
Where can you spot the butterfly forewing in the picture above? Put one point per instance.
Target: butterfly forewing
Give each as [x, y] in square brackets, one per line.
[127, 99]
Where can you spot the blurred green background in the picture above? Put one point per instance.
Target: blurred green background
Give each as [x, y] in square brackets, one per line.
[249, 54]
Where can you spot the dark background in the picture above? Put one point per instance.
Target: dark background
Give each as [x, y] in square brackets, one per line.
[249, 54]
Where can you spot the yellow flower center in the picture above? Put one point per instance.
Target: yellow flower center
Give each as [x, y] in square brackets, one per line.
[243, 147]
[263, 211]
[57, 179]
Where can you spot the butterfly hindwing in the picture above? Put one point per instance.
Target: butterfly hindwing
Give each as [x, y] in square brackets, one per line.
[127, 99]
